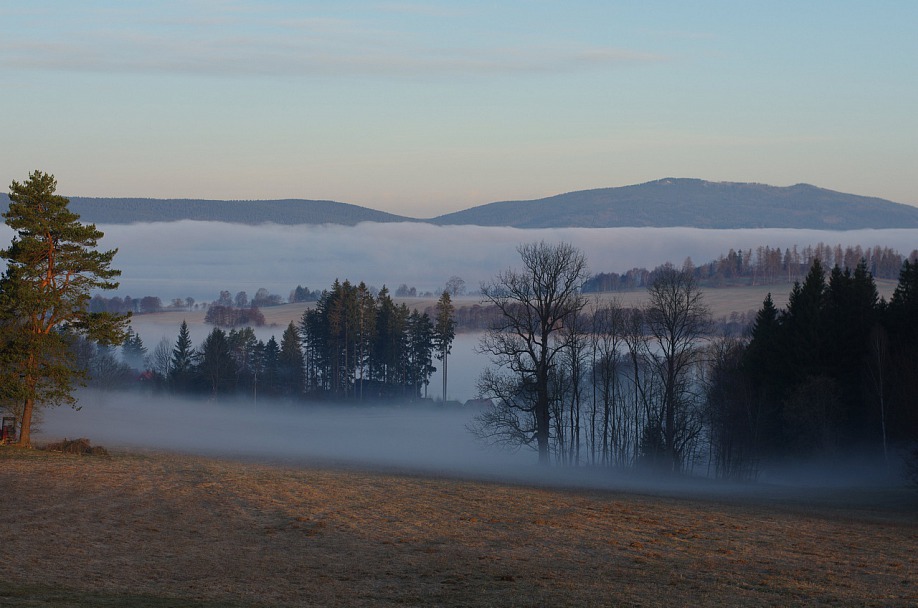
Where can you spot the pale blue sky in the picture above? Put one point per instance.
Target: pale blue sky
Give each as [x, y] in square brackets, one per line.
[422, 108]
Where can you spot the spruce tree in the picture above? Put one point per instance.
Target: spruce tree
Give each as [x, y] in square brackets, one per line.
[290, 363]
[271, 365]
[133, 351]
[215, 367]
[902, 327]
[182, 363]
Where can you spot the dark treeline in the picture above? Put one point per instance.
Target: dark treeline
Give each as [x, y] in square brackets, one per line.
[834, 377]
[761, 266]
[229, 316]
[128, 305]
[262, 298]
[303, 294]
[225, 364]
[358, 346]
[153, 304]
[350, 346]
[835, 373]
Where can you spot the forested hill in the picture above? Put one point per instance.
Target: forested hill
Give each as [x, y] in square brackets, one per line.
[288, 211]
[666, 202]
[695, 203]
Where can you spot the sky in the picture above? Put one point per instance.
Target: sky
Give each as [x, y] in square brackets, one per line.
[424, 108]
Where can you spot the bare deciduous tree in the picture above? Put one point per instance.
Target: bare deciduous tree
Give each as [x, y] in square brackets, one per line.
[677, 318]
[535, 303]
[455, 286]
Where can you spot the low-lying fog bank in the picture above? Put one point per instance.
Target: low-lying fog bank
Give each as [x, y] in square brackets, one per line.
[427, 437]
[198, 259]
[416, 438]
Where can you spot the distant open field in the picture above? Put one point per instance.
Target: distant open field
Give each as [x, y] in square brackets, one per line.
[722, 301]
[156, 530]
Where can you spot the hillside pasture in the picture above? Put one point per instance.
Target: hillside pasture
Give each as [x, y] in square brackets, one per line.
[155, 530]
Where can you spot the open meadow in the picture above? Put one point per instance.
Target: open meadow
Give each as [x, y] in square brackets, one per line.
[151, 529]
[722, 301]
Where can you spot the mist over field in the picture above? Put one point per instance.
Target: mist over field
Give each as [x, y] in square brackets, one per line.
[401, 437]
[429, 438]
[199, 259]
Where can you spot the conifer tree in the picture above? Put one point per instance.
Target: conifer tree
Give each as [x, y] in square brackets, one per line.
[215, 365]
[52, 266]
[271, 368]
[133, 351]
[182, 362]
[290, 363]
[444, 332]
[902, 327]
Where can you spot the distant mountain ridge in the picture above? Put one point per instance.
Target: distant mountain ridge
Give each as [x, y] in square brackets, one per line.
[669, 202]
[285, 211]
[695, 203]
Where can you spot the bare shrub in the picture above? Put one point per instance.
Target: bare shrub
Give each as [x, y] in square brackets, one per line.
[81, 447]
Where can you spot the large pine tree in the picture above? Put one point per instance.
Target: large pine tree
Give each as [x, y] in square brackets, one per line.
[53, 266]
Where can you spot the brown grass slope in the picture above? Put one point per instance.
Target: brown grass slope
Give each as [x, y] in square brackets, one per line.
[169, 530]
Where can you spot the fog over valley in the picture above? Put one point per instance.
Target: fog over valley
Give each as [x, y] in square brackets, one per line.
[407, 436]
[427, 439]
[199, 259]
[452, 304]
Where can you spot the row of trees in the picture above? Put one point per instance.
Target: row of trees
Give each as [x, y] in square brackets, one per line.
[834, 373]
[351, 346]
[230, 316]
[761, 266]
[601, 384]
[455, 286]
[128, 305]
[261, 298]
[229, 363]
[596, 384]
[361, 346]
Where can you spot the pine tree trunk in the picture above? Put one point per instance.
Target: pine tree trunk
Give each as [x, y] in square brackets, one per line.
[25, 439]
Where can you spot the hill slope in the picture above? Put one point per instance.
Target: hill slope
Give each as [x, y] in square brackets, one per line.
[286, 211]
[662, 203]
[695, 203]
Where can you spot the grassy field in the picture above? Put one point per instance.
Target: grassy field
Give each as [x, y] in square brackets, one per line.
[722, 301]
[145, 529]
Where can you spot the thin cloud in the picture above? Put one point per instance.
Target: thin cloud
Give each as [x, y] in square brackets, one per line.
[253, 56]
[228, 43]
[414, 8]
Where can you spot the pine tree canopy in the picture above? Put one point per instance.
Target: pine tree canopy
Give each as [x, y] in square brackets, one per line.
[52, 267]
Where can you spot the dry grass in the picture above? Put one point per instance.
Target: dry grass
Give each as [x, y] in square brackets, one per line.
[722, 302]
[167, 530]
